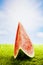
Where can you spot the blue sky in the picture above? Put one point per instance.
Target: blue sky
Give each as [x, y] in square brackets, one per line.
[28, 12]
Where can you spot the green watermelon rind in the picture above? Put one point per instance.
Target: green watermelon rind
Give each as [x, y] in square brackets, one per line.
[31, 56]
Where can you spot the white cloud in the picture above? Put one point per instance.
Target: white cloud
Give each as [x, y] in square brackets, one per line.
[3, 32]
[2, 15]
[25, 11]
[40, 34]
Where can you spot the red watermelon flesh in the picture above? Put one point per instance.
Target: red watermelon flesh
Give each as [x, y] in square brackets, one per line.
[17, 42]
[23, 42]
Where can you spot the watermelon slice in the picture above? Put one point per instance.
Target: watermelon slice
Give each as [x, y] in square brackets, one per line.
[23, 42]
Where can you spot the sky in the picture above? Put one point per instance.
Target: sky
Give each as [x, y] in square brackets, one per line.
[28, 12]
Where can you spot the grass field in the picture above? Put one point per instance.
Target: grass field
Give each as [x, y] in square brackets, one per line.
[6, 56]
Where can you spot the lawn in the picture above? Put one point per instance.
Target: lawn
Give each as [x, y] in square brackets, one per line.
[7, 58]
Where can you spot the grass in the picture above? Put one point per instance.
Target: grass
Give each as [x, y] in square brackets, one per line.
[6, 56]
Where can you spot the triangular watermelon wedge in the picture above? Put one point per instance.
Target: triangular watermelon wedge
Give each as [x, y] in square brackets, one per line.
[23, 42]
